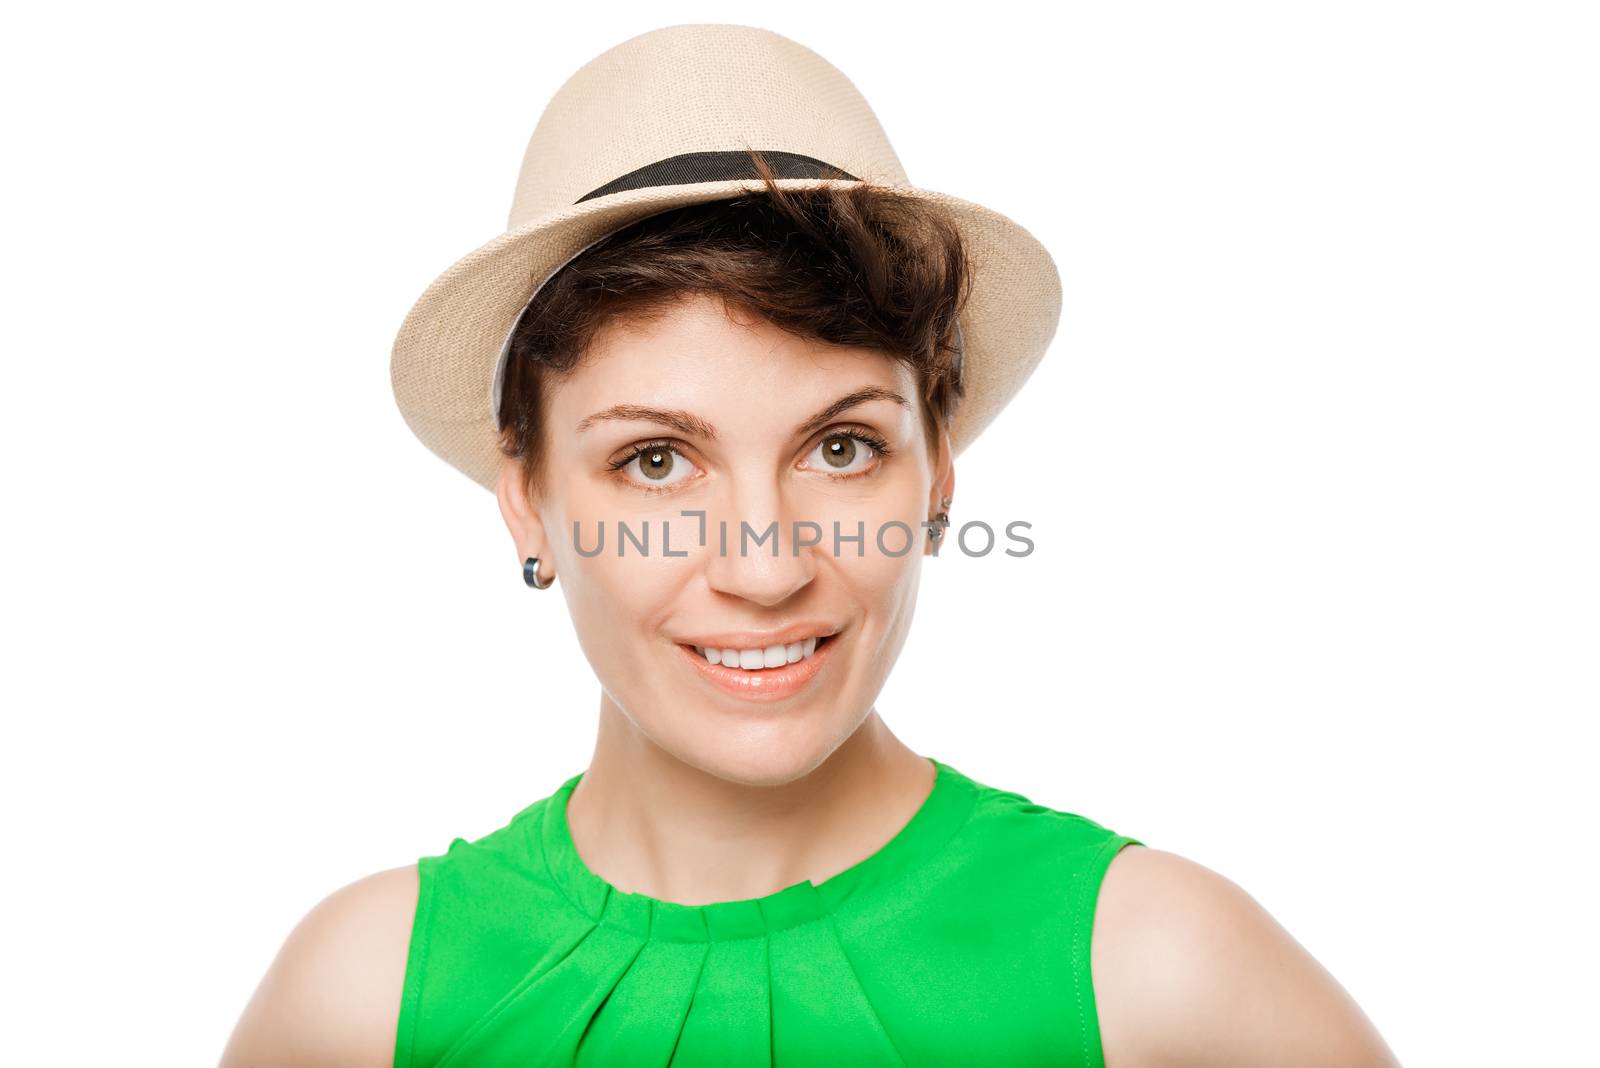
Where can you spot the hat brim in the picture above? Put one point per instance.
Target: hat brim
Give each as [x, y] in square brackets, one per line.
[445, 355]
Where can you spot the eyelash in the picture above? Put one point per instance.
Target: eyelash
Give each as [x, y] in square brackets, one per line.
[861, 434]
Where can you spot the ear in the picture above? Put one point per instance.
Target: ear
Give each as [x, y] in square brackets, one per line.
[944, 480]
[521, 512]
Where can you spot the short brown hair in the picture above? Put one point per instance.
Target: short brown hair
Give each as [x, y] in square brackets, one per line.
[863, 265]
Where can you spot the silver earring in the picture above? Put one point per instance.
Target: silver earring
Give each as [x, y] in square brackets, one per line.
[530, 574]
[940, 521]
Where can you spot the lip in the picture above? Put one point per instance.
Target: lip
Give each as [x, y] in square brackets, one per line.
[763, 684]
[750, 639]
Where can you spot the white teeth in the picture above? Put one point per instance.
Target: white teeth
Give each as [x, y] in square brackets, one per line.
[754, 659]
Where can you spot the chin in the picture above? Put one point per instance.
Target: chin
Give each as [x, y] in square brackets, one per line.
[769, 757]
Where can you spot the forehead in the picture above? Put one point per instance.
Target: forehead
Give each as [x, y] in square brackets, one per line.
[733, 367]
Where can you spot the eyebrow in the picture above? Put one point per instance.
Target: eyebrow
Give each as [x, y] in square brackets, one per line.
[688, 423]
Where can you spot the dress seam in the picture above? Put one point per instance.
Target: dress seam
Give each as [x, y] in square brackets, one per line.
[412, 996]
[1090, 1045]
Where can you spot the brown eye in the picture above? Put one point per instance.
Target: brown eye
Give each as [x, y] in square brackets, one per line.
[838, 450]
[655, 464]
[661, 467]
[847, 454]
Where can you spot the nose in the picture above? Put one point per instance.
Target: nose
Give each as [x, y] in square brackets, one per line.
[752, 549]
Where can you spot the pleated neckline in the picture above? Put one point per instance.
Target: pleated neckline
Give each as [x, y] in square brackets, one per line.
[929, 829]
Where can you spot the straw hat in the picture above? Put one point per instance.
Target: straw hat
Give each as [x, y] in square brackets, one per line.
[660, 121]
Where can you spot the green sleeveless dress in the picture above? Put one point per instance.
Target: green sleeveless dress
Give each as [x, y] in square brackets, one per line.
[964, 940]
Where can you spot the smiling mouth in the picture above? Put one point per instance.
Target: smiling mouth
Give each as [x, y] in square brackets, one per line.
[763, 684]
[757, 661]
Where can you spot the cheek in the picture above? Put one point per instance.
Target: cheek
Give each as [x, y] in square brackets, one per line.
[880, 539]
[621, 596]
[883, 586]
[614, 605]
[887, 585]
[882, 573]
[617, 600]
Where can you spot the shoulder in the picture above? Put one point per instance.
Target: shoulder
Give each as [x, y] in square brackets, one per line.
[332, 993]
[1189, 970]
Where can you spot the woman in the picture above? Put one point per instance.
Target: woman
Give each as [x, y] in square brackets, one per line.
[725, 417]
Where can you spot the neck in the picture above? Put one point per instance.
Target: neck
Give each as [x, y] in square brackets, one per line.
[649, 823]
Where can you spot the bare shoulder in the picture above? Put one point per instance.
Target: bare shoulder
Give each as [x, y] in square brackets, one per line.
[1191, 972]
[332, 994]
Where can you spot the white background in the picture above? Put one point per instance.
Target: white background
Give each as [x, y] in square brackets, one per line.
[1311, 464]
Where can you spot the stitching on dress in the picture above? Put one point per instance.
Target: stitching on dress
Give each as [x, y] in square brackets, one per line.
[1083, 925]
[414, 993]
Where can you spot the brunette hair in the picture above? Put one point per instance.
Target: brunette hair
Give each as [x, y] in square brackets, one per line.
[863, 265]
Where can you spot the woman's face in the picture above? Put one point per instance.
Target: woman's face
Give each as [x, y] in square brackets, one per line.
[756, 429]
